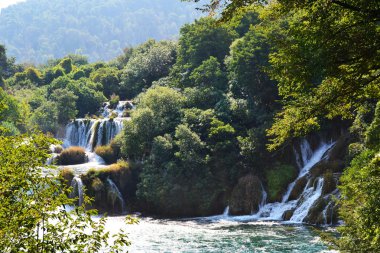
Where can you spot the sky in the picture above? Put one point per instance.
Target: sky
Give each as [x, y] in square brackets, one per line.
[6, 3]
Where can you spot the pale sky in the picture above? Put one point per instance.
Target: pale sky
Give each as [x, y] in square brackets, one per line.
[6, 3]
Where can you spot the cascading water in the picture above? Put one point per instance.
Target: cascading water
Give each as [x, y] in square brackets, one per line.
[118, 111]
[308, 198]
[77, 186]
[114, 194]
[300, 207]
[89, 133]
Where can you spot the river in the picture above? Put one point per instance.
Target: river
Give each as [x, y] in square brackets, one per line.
[204, 235]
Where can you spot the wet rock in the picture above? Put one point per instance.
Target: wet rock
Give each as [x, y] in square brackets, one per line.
[340, 149]
[298, 188]
[246, 196]
[329, 183]
[324, 166]
[315, 215]
[288, 215]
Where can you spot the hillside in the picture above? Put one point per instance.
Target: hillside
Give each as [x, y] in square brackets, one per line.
[38, 30]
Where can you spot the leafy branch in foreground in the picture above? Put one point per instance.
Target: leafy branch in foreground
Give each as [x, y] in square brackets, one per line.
[34, 205]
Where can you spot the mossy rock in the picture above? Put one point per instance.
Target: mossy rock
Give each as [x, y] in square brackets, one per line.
[71, 156]
[315, 215]
[278, 180]
[288, 214]
[67, 174]
[107, 153]
[325, 166]
[298, 188]
[246, 196]
[329, 183]
[340, 149]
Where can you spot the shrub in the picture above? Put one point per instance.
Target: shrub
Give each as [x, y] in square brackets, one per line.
[67, 174]
[72, 155]
[278, 179]
[114, 101]
[107, 153]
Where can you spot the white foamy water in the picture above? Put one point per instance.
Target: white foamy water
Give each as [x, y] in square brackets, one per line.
[275, 211]
[200, 236]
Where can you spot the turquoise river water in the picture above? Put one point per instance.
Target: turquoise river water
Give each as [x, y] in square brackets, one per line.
[218, 235]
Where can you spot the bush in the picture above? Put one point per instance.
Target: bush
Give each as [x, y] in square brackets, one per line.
[67, 174]
[107, 153]
[114, 101]
[72, 155]
[278, 179]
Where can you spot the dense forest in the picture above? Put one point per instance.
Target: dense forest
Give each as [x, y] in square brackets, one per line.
[221, 110]
[38, 30]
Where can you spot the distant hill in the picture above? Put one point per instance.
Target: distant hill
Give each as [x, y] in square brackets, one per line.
[38, 30]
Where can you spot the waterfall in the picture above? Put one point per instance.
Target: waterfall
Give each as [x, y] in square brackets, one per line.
[89, 133]
[324, 214]
[77, 190]
[308, 198]
[121, 106]
[114, 194]
[275, 211]
[300, 207]
[263, 198]
[226, 211]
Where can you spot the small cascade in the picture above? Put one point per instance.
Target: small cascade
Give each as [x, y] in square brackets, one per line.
[263, 198]
[89, 133]
[118, 111]
[77, 191]
[226, 212]
[308, 198]
[114, 194]
[325, 214]
[275, 211]
[51, 159]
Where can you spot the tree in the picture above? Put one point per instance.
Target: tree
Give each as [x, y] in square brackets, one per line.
[149, 62]
[66, 104]
[247, 64]
[108, 77]
[158, 112]
[33, 217]
[45, 117]
[198, 42]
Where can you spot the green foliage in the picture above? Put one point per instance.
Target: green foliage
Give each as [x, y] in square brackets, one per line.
[33, 217]
[278, 179]
[209, 74]
[198, 42]
[322, 75]
[45, 117]
[109, 78]
[114, 100]
[158, 112]
[8, 129]
[372, 135]
[66, 104]
[360, 204]
[66, 65]
[249, 57]
[9, 108]
[148, 62]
